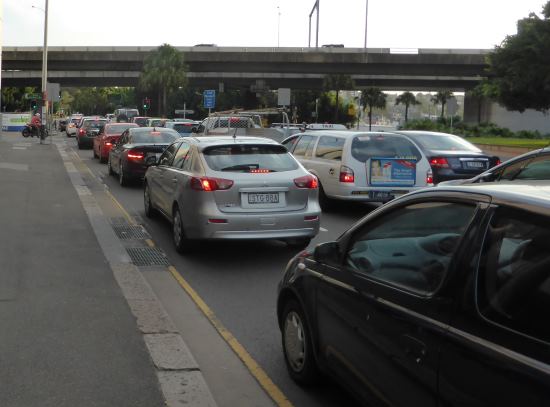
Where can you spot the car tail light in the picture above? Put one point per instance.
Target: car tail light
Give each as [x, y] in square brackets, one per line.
[346, 174]
[81, 132]
[210, 184]
[307, 182]
[429, 178]
[135, 155]
[108, 144]
[439, 162]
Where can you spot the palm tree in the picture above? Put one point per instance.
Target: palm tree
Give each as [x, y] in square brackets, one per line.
[407, 99]
[373, 98]
[338, 82]
[163, 70]
[478, 94]
[441, 98]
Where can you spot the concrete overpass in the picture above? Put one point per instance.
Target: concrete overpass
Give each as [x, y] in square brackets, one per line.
[243, 67]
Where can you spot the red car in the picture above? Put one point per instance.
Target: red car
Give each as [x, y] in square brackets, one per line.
[104, 142]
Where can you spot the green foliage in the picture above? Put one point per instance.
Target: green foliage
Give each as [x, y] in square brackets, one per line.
[338, 82]
[13, 99]
[164, 71]
[465, 130]
[407, 99]
[518, 68]
[440, 98]
[373, 98]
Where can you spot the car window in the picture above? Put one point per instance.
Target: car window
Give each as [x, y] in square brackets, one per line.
[444, 142]
[158, 136]
[181, 155]
[168, 156]
[250, 158]
[536, 169]
[309, 149]
[330, 148]
[364, 147]
[188, 163]
[290, 143]
[511, 171]
[302, 145]
[514, 272]
[411, 247]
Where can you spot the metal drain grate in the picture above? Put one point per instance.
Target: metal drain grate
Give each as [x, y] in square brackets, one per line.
[147, 256]
[130, 232]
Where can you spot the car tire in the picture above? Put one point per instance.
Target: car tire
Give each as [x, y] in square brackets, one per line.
[122, 178]
[150, 210]
[95, 155]
[79, 145]
[325, 202]
[110, 167]
[182, 243]
[101, 159]
[300, 243]
[298, 345]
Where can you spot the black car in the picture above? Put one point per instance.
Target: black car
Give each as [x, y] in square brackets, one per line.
[451, 157]
[127, 157]
[88, 130]
[531, 166]
[438, 298]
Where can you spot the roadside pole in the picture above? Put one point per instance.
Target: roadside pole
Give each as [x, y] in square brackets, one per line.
[45, 71]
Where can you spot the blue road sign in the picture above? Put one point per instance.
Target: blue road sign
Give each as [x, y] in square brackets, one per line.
[209, 99]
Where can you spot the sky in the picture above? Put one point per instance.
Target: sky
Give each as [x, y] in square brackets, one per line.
[265, 23]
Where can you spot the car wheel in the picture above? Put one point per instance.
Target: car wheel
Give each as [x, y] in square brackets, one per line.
[95, 155]
[150, 211]
[79, 145]
[122, 179]
[101, 158]
[183, 244]
[109, 167]
[325, 202]
[297, 345]
[301, 243]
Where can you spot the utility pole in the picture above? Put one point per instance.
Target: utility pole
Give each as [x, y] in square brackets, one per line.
[45, 68]
[366, 19]
[315, 7]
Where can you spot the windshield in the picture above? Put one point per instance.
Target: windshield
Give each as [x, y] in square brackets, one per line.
[250, 158]
[443, 142]
[117, 128]
[94, 124]
[367, 146]
[154, 137]
[183, 128]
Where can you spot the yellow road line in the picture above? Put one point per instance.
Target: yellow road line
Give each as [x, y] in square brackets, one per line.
[130, 220]
[150, 243]
[259, 374]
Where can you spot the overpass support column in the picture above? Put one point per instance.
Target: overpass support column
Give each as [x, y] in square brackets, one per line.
[476, 110]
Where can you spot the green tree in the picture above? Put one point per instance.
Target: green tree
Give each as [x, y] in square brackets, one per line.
[373, 98]
[440, 98]
[338, 82]
[164, 70]
[518, 68]
[407, 99]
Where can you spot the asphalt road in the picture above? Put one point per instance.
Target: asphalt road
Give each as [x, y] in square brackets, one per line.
[239, 281]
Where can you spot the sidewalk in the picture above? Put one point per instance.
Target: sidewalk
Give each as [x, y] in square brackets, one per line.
[68, 335]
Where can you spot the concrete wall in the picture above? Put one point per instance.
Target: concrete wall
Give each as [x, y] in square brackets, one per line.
[494, 113]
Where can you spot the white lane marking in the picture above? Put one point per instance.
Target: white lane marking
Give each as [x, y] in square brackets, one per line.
[19, 148]
[323, 230]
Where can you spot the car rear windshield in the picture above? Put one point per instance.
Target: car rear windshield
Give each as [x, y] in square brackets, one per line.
[94, 124]
[154, 137]
[117, 128]
[183, 128]
[444, 142]
[141, 120]
[249, 158]
[365, 147]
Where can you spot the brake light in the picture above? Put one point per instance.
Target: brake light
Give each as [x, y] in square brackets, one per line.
[307, 182]
[210, 184]
[346, 174]
[135, 155]
[498, 162]
[439, 162]
[107, 144]
[259, 171]
[429, 178]
[81, 132]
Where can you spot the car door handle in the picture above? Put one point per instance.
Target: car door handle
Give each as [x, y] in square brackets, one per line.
[414, 348]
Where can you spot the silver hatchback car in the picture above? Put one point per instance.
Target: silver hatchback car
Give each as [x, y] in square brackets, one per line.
[232, 188]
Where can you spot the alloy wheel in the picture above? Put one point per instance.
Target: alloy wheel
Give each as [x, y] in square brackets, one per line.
[295, 343]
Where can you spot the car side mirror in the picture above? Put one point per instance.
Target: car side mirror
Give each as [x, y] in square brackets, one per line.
[327, 253]
[151, 161]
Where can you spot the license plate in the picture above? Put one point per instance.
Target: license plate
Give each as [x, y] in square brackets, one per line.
[379, 194]
[475, 164]
[263, 198]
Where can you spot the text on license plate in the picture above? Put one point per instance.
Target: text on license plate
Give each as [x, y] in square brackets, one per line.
[475, 164]
[261, 198]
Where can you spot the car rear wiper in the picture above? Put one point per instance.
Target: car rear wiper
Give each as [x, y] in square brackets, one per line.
[241, 167]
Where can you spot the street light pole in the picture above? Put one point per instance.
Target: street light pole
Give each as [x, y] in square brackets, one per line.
[45, 67]
[366, 18]
[278, 25]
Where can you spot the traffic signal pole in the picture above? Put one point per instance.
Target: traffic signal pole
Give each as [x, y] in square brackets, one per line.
[45, 68]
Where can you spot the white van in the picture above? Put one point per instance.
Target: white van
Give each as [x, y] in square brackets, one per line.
[361, 166]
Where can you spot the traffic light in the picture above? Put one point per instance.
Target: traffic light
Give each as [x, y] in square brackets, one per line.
[34, 104]
[146, 104]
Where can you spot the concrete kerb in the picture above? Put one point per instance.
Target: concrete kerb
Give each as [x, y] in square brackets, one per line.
[180, 378]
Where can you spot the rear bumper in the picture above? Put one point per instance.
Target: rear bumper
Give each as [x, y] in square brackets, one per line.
[104, 151]
[362, 194]
[272, 225]
[134, 170]
[85, 141]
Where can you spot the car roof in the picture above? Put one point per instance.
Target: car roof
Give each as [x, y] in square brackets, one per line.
[531, 195]
[348, 133]
[422, 132]
[151, 128]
